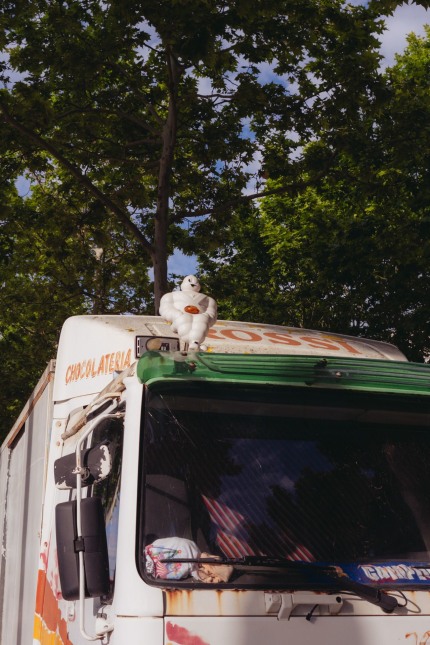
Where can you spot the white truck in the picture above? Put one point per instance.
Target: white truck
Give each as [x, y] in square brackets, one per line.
[273, 488]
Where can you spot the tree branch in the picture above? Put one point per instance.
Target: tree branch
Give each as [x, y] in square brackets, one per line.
[243, 199]
[120, 113]
[114, 208]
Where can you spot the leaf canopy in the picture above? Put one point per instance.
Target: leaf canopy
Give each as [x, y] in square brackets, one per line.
[149, 127]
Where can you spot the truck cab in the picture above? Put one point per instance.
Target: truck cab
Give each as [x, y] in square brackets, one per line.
[270, 487]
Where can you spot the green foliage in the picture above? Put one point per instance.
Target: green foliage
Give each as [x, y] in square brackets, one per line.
[57, 261]
[139, 126]
[145, 106]
[350, 252]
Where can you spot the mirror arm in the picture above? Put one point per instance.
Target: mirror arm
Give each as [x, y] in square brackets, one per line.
[80, 473]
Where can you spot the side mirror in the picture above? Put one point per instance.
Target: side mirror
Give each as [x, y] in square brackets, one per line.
[97, 461]
[93, 544]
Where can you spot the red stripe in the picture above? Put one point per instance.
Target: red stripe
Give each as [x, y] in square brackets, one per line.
[232, 546]
[222, 515]
[232, 536]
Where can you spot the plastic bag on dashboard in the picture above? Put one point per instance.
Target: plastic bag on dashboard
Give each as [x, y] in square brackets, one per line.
[172, 547]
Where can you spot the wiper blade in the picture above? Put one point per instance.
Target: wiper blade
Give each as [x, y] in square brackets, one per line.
[335, 575]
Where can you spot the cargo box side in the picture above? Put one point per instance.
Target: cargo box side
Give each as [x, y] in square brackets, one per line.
[23, 458]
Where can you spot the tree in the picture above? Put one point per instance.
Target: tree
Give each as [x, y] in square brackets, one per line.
[113, 95]
[349, 253]
[141, 125]
[51, 268]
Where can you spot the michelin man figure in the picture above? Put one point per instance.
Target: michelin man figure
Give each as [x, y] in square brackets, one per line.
[190, 312]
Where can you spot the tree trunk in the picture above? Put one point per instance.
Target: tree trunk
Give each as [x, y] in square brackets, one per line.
[160, 252]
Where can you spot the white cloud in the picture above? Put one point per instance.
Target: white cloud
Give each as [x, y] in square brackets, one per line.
[252, 168]
[204, 86]
[23, 186]
[406, 19]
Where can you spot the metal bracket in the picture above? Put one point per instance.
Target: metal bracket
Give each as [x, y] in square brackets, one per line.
[283, 604]
[104, 620]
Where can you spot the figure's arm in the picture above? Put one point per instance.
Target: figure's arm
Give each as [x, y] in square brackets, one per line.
[167, 307]
[211, 311]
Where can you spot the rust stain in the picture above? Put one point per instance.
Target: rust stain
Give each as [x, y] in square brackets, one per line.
[179, 602]
[182, 636]
[220, 602]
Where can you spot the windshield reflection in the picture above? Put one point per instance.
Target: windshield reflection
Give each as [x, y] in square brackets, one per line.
[304, 475]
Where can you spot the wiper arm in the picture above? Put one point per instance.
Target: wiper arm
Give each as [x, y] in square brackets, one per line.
[335, 575]
[378, 597]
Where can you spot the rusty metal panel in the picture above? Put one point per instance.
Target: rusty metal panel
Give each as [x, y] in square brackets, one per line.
[351, 630]
[22, 476]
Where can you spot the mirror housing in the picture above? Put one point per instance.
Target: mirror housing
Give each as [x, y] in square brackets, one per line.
[96, 460]
[93, 544]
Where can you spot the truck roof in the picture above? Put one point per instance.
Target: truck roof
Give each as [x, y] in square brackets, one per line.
[92, 348]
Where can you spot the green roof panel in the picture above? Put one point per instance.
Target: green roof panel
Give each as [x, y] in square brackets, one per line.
[313, 371]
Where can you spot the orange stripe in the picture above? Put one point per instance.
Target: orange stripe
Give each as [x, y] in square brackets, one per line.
[49, 612]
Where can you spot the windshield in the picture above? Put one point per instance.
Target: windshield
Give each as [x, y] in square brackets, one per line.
[308, 475]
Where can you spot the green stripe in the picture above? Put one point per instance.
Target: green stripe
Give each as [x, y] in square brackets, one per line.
[313, 371]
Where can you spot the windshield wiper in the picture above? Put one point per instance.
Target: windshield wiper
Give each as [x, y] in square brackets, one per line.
[336, 576]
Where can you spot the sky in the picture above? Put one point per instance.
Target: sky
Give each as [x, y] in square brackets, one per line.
[405, 19]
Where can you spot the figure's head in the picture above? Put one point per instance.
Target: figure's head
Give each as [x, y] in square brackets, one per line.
[190, 283]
